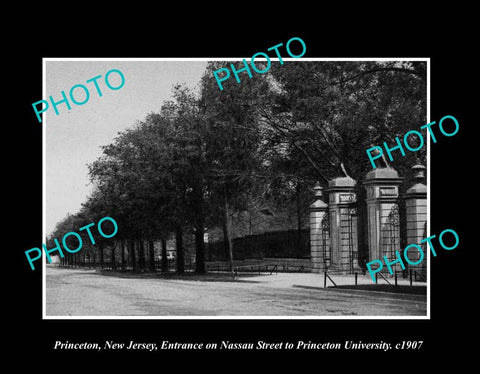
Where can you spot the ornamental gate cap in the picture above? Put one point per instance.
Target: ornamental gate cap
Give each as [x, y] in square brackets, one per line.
[382, 173]
[342, 182]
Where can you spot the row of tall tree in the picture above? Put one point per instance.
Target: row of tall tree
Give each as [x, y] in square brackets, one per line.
[209, 154]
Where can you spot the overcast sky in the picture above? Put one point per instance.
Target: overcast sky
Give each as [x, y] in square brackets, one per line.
[74, 137]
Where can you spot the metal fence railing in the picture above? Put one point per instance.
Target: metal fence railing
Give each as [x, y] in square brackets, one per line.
[412, 275]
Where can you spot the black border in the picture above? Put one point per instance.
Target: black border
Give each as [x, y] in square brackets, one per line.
[450, 317]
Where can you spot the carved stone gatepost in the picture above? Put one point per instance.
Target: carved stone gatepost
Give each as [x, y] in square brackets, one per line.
[318, 238]
[343, 225]
[416, 207]
[383, 215]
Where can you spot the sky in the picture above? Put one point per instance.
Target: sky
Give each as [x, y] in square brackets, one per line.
[74, 137]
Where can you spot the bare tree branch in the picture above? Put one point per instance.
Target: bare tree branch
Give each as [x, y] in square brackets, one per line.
[282, 130]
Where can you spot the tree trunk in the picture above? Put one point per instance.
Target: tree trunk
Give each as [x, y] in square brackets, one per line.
[123, 254]
[113, 257]
[151, 252]
[133, 260]
[228, 225]
[226, 245]
[199, 227]
[199, 251]
[141, 255]
[164, 256]
[180, 253]
[100, 251]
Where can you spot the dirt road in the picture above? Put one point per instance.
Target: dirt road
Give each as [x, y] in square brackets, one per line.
[78, 292]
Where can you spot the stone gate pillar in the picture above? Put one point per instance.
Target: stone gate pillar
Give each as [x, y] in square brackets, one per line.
[383, 223]
[416, 208]
[318, 211]
[343, 224]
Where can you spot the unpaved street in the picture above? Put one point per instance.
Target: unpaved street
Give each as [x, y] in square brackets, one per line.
[80, 292]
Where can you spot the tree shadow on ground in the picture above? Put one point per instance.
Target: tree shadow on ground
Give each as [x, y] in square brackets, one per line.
[187, 276]
[412, 290]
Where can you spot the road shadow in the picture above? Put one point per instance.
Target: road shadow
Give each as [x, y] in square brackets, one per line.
[401, 289]
[188, 276]
[411, 290]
